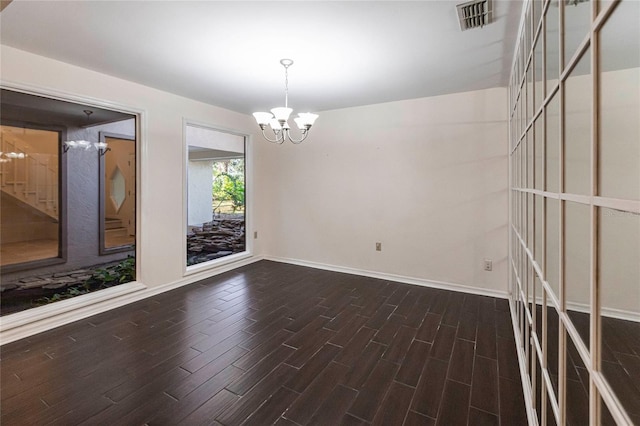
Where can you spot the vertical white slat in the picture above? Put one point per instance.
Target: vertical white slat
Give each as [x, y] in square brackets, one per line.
[594, 326]
[561, 330]
[543, 219]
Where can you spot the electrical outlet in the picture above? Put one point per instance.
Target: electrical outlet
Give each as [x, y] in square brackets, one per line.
[378, 246]
[255, 235]
[488, 265]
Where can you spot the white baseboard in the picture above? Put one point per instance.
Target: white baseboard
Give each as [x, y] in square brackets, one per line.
[35, 317]
[393, 277]
[605, 312]
[36, 320]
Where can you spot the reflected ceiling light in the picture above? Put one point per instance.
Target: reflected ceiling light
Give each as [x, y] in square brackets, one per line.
[277, 118]
[102, 147]
[18, 155]
[6, 157]
[85, 144]
[77, 144]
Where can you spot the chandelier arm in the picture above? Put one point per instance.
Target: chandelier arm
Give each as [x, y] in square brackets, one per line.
[294, 141]
[279, 138]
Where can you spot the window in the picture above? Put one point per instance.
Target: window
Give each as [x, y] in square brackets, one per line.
[56, 156]
[216, 187]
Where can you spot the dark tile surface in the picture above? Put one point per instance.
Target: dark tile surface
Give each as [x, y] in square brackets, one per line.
[272, 343]
[622, 339]
[620, 365]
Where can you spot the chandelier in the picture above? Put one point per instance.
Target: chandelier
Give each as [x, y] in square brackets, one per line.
[277, 118]
[102, 147]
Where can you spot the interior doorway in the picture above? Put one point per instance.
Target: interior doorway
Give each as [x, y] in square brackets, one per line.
[117, 193]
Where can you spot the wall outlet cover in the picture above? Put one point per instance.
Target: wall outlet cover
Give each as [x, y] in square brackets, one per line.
[488, 265]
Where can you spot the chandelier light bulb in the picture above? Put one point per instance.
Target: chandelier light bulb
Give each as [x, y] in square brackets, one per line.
[281, 113]
[263, 118]
[308, 118]
[300, 123]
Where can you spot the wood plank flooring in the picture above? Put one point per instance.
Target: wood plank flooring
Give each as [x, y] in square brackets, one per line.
[26, 251]
[272, 343]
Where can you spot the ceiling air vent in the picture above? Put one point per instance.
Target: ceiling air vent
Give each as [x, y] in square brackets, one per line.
[474, 14]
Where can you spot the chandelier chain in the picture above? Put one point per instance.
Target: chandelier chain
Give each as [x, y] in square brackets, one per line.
[286, 86]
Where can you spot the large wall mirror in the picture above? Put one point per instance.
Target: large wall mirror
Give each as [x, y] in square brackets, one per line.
[58, 162]
[216, 187]
[582, 342]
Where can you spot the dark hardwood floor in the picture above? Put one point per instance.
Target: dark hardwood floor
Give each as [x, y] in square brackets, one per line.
[272, 343]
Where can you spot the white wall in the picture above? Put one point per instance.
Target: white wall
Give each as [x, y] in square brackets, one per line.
[426, 177]
[161, 163]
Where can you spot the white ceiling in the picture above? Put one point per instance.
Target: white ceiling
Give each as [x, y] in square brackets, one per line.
[227, 53]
